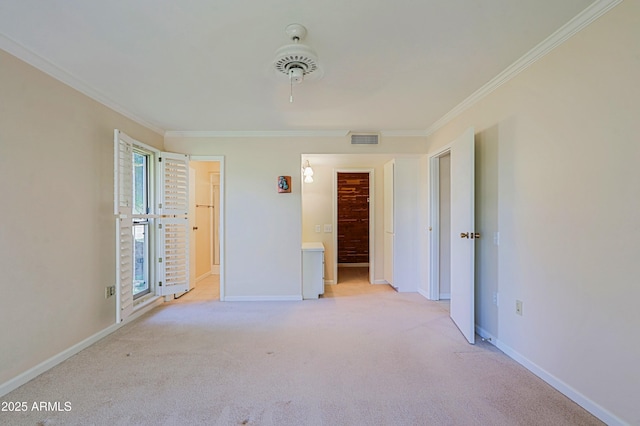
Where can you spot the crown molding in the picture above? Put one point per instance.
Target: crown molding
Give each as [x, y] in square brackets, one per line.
[253, 134]
[580, 21]
[283, 133]
[31, 58]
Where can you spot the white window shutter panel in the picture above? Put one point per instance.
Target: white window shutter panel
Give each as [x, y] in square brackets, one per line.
[173, 232]
[173, 184]
[123, 174]
[174, 255]
[124, 268]
[123, 208]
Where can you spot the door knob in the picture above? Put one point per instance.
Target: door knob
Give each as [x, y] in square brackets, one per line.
[195, 228]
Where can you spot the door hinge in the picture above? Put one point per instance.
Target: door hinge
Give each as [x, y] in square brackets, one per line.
[159, 283]
[159, 226]
[159, 159]
[159, 260]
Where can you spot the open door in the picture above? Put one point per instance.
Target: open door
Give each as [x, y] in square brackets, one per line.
[123, 202]
[389, 221]
[173, 225]
[463, 234]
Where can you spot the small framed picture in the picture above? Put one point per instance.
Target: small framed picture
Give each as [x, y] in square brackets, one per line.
[284, 183]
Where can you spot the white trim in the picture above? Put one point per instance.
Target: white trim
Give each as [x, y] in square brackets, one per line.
[253, 134]
[283, 133]
[330, 282]
[64, 76]
[484, 334]
[32, 373]
[423, 293]
[594, 408]
[434, 222]
[445, 296]
[564, 33]
[203, 276]
[403, 133]
[290, 298]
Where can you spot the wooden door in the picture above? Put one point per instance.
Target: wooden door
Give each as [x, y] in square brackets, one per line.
[353, 217]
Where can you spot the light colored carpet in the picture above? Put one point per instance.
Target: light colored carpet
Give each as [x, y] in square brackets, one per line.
[369, 357]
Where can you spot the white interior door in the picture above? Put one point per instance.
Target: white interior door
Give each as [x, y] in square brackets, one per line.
[389, 236]
[173, 225]
[463, 234]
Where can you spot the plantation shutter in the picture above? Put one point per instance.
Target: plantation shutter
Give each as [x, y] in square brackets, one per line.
[123, 205]
[173, 226]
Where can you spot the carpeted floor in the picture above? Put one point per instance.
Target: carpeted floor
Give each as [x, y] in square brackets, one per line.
[367, 356]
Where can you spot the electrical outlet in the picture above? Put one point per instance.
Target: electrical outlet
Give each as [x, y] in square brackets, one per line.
[519, 307]
[109, 291]
[328, 228]
[495, 298]
[318, 229]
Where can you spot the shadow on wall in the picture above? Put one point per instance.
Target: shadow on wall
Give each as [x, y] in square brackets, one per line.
[486, 218]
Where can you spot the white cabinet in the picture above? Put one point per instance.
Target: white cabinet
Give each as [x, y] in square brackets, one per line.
[312, 270]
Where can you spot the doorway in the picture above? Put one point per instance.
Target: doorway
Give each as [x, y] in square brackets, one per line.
[206, 231]
[444, 279]
[353, 224]
[459, 208]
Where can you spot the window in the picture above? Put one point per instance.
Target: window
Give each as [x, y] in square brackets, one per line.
[151, 202]
[141, 208]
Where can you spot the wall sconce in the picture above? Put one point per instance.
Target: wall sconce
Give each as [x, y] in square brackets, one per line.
[307, 172]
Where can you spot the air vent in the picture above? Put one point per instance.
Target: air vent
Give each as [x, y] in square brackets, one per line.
[364, 139]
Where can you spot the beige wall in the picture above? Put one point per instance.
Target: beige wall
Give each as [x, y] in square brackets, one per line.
[558, 177]
[57, 237]
[557, 172]
[263, 229]
[318, 204]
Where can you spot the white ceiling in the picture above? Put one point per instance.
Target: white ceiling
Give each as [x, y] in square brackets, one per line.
[206, 65]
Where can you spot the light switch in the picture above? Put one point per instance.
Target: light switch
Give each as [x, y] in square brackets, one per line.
[327, 227]
[318, 228]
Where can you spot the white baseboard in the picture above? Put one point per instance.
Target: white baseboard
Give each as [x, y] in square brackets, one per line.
[423, 293]
[48, 364]
[215, 269]
[445, 296]
[594, 408]
[34, 372]
[330, 282]
[203, 276]
[485, 335]
[380, 282]
[289, 298]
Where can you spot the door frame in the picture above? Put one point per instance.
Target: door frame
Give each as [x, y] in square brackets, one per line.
[371, 172]
[221, 233]
[434, 219]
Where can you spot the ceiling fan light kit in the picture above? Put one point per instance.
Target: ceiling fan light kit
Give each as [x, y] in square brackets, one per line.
[296, 60]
